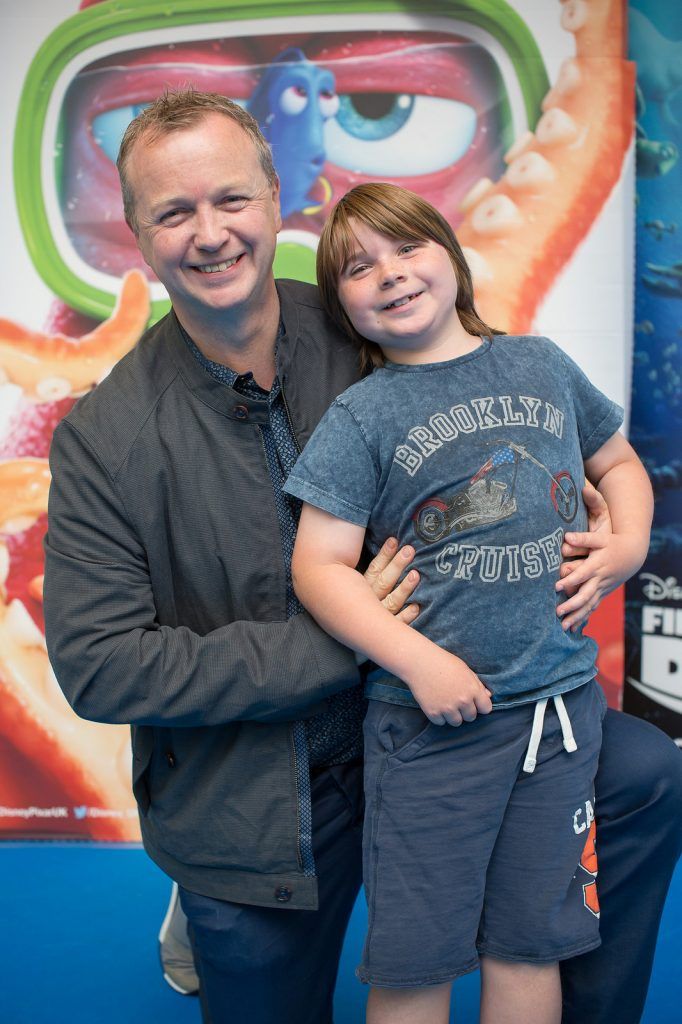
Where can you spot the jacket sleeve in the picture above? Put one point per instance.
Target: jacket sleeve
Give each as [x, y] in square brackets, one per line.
[116, 663]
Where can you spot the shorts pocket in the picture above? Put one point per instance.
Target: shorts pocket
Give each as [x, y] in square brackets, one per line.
[401, 731]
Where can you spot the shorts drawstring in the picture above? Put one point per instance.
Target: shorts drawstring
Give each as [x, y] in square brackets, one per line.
[536, 732]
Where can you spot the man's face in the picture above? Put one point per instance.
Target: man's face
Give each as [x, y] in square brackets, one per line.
[207, 219]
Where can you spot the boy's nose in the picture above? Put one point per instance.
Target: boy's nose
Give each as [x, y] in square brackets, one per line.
[391, 275]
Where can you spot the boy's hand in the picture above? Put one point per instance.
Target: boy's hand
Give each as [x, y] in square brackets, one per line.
[446, 689]
[383, 573]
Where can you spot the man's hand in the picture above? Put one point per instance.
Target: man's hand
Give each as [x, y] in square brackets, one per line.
[594, 563]
[383, 573]
[446, 689]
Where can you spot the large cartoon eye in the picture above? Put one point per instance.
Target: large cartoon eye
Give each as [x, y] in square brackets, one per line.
[398, 134]
[293, 100]
[108, 128]
[329, 104]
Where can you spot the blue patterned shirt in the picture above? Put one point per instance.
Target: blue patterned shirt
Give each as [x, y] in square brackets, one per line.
[335, 735]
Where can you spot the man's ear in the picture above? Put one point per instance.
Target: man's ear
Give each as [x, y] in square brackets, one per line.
[276, 200]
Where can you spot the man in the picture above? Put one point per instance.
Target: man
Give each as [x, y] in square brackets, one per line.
[169, 604]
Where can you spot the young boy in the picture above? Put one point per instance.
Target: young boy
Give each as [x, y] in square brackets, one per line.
[470, 446]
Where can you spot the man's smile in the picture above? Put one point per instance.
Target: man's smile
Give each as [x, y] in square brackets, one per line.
[215, 268]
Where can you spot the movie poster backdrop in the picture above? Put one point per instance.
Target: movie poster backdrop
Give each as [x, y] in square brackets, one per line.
[515, 119]
[653, 675]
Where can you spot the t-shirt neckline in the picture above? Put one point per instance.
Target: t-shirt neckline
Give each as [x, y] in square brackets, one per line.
[444, 364]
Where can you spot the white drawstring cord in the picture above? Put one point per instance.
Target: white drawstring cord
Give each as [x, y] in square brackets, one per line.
[535, 735]
[566, 731]
[536, 732]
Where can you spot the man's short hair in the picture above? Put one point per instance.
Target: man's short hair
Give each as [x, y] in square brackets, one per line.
[177, 110]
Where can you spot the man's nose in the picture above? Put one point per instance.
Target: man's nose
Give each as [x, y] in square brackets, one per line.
[211, 229]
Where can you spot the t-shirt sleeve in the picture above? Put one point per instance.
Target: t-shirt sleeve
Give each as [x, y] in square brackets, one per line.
[336, 471]
[598, 418]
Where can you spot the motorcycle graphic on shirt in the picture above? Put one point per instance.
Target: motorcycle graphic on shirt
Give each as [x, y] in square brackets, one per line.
[490, 496]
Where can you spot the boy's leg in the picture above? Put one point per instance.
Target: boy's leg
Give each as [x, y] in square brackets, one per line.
[258, 965]
[639, 838]
[429, 1005]
[540, 905]
[432, 819]
[515, 993]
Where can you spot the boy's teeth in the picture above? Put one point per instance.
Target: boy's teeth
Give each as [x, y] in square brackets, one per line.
[399, 302]
[213, 268]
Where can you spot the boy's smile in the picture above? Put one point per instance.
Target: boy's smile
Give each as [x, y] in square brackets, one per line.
[401, 293]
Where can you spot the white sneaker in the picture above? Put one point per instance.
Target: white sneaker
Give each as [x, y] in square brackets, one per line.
[175, 949]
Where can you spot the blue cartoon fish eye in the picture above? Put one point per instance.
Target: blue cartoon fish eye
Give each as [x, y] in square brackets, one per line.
[398, 134]
[329, 103]
[293, 100]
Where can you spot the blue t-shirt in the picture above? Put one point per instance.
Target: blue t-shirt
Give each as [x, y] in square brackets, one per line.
[478, 463]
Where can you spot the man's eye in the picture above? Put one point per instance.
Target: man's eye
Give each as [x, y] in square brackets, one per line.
[234, 202]
[170, 215]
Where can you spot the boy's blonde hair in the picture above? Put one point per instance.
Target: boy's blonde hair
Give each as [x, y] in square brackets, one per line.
[398, 213]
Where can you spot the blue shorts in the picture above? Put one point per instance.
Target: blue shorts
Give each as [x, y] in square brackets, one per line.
[467, 854]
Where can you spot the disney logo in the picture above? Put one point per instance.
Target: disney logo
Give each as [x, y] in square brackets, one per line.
[656, 589]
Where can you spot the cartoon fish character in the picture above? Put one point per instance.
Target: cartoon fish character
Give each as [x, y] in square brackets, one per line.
[654, 159]
[658, 228]
[659, 64]
[664, 280]
[291, 103]
[644, 327]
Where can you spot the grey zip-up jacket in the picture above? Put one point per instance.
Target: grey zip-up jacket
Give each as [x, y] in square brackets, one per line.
[165, 601]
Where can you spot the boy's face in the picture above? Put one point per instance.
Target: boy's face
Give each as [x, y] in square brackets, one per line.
[402, 295]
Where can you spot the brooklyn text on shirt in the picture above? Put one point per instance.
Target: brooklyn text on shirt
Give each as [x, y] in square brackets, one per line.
[477, 414]
[492, 562]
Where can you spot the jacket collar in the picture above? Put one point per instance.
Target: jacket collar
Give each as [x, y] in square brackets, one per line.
[220, 397]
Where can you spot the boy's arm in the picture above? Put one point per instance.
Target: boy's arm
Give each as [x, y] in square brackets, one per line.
[343, 603]
[613, 557]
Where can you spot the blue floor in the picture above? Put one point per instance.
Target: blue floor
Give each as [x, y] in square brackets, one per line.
[78, 944]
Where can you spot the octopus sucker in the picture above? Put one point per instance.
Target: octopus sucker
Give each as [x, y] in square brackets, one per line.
[495, 216]
[480, 271]
[518, 147]
[476, 193]
[554, 127]
[584, 137]
[24, 485]
[575, 15]
[530, 172]
[50, 366]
